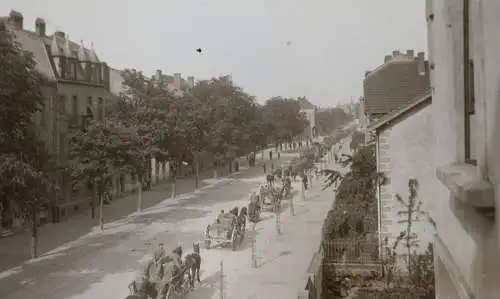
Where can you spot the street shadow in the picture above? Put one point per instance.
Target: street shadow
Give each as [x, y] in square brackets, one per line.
[269, 261]
[246, 242]
[300, 210]
[207, 288]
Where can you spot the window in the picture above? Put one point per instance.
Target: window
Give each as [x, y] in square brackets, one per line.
[469, 90]
[43, 121]
[74, 109]
[62, 147]
[100, 111]
[61, 105]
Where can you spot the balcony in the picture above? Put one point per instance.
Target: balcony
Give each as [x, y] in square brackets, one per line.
[71, 70]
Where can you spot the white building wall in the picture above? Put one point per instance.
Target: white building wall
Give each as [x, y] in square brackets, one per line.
[473, 242]
[405, 151]
[311, 117]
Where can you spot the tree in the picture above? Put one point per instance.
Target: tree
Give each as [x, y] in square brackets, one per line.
[357, 139]
[285, 118]
[232, 115]
[24, 161]
[327, 120]
[355, 191]
[101, 151]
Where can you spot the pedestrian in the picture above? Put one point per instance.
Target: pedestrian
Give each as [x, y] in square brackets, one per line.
[304, 180]
[272, 166]
[270, 155]
[236, 166]
[279, 155]
[264, 167]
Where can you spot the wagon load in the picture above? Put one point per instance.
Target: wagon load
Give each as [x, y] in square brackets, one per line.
[225, 229]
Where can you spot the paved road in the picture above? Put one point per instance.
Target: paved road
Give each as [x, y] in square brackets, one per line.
[114, 255]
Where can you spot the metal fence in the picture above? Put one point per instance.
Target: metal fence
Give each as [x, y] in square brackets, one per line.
[351, 251]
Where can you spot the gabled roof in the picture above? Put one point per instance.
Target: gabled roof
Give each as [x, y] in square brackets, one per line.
[392, 85]
[304, 103]
[416, 104]
[36, 47]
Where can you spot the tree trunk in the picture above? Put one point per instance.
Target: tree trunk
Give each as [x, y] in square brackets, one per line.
[34, 233]
[101, 208]
[140, 180]
[93, 199]
[157, 172]
[174, 180]
[197, 170]
[216, 165]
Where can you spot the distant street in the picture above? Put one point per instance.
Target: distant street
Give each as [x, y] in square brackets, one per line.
[117, 252]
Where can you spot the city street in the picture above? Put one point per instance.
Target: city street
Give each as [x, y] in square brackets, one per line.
[112, 257]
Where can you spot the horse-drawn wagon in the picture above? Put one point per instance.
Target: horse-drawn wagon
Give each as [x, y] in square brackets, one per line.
[228, 228]
[165, 277]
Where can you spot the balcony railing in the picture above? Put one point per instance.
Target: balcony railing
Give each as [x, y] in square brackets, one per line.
[73, 70]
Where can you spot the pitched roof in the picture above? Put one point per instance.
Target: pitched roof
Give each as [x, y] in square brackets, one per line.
[36, 47]
[393, 85]
[415, 104]
[304, 103]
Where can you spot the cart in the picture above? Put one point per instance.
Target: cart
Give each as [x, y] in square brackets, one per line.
[254, 209]
[226, 230]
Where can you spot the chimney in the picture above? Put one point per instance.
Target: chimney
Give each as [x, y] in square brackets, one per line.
[421, 63]
[396, 53]
[60, 34]
[177, 80]
[190, 81]
[387, 58]
[410, 53]
[17, 19]
[40, 27]
[158, 76]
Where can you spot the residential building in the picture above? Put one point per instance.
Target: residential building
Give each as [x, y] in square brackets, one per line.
[175, 84]
[310, 112]
[79, 91]
[404, 151]
[351, 108]
[464, 43]
[393, 84]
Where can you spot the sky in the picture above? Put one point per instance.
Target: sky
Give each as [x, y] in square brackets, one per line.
[314, 48]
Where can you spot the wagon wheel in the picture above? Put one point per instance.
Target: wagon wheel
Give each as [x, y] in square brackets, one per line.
[207, 237]
[234, 239]
[242, 236]
[171, 294]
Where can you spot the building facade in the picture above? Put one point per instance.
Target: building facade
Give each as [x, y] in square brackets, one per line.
[310, 112]
[463, 46]
[401, 78]
[79, 92]
[404, 145]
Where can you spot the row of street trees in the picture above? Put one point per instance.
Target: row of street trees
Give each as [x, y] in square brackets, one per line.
[214, 119]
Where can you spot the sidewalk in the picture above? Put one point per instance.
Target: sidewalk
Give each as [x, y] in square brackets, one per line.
[15, 249]
[283, 260]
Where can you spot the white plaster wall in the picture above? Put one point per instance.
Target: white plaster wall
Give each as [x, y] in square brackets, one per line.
[311, 117]
[409, 151]
[472, 243]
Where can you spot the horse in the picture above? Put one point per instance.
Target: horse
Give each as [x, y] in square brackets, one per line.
[270, 179]
[192, 264]
[234, 211]
[242, 218]
[145, 291]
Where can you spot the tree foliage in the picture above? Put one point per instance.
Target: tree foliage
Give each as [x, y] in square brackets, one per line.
[23, 157]
[285, 118]
[327, 120]
[25, 163]
[355, 192]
